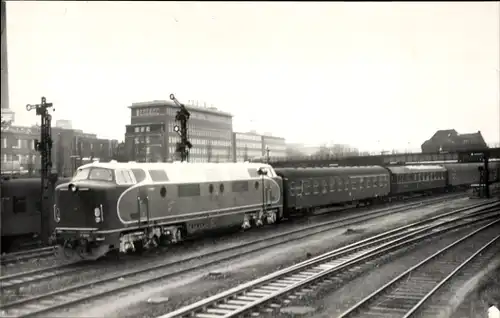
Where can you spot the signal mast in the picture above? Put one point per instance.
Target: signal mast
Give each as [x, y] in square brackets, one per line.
[182, 116]
[44, 146]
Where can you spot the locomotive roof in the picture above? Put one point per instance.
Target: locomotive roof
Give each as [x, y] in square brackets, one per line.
[322, 171]
[192, 172]
[416, 169]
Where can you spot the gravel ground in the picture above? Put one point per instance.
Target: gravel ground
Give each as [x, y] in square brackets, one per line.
[473, 298]
[167, 295]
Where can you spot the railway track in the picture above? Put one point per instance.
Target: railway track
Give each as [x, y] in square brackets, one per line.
[14, 281]
[265, 295]
[412, 291]
[70, 296]
[27, 255]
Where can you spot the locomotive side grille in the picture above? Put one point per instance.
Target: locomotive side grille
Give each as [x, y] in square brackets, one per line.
[77, 209]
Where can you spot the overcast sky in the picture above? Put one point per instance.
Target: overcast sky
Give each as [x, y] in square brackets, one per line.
[373, 75]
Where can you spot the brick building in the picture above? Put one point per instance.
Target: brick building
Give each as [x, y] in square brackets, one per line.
[68, 148]
[150, 136]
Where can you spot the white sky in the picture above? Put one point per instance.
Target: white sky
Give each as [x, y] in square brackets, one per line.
[373, 75]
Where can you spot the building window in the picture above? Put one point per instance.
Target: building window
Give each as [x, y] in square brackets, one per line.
[136, 129]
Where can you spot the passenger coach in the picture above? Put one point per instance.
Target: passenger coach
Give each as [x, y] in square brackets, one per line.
[308, 189]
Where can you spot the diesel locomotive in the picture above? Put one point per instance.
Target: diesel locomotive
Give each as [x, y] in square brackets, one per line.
[130, 206]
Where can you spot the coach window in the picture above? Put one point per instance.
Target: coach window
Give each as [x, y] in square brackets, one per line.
[315, 186]
[353, 184]
[325, 186]
[332, 184]
[340, 185]
[139, 174]
[158, 175]
[369, 182]
[361, 183]
[307, 187]
[19, 204]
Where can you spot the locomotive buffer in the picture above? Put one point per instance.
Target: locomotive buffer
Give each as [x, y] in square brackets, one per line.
[44, 146]
[182, 117]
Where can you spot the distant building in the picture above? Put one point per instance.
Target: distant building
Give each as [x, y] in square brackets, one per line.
[275, 145]
[451, 141]
[69, 147]
[150, 136]
[64, 124]
[246, 146]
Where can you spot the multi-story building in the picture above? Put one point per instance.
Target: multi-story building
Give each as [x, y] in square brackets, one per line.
[151, 136]
[69, 148]
[273, 146]
[246, 146]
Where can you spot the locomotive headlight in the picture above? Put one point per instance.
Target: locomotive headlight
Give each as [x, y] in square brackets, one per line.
[97, 212]
[72, 187]
[97, 219]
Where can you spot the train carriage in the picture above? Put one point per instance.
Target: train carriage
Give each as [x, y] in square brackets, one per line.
[125, 205]
[312, 188]
[20, 210]
[413, 179]
[462, 174]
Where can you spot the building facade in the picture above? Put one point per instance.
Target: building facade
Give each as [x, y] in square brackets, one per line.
[246, 146]
[150, 136]
[273, 147]
[70, 147]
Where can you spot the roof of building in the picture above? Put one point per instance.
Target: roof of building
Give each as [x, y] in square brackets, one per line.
[169, 103]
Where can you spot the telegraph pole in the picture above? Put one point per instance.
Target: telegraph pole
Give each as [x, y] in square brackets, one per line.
[182, 117]
[44, 146]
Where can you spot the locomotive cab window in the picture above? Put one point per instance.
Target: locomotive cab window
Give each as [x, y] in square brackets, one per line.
[97, 174]
[124, 177]
[19, 204]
